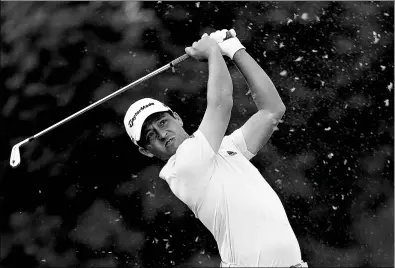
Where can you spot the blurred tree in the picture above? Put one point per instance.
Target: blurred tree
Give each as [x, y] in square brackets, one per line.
[83, 194]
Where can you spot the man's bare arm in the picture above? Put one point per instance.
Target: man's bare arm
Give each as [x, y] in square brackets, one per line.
[219, 91]
[259, 128]
[219, 101]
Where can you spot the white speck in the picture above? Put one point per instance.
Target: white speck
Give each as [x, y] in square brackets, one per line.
[387, 102]
[389, 87]
[322, 83]
[335, 208]
[264, 53]
[330, 155]
[117, 220]
[249, 27]
[289, 21]
[197, 4]
[315, 51]
[304, 16]
[276, 170]
[110, 252]
[43, 260]
[382, 67]
[299, 59]
[167, 245]
[325, 57]
[202, 252]
[167, 213]
[386, 14]
[328, 128]
[292, 130]
[95, 187]
[292, 89]
[197, 238]
[345, 161]
[296, 78]
[342, 196]
[376, 37]
[150, 194]
[155, 241]
[39, 191]
[281, 45]
[317, 18]
[283, 73]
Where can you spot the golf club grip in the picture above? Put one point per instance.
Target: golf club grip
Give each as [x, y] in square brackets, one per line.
[186, 56]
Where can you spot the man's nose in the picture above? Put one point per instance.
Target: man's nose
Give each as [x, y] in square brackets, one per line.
[162, 133]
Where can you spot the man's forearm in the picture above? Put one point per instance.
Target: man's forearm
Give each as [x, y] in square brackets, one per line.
[262, 89]
[219, 87]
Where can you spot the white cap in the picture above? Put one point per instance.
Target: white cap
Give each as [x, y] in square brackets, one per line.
[138, 112]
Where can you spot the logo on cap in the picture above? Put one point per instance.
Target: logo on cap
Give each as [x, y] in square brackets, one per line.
[131, 121]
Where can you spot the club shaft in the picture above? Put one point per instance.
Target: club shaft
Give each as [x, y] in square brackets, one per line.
[110, 96]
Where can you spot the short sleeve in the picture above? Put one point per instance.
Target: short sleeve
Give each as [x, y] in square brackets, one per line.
[238, 140]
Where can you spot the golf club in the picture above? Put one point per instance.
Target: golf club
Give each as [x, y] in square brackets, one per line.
[15, 158]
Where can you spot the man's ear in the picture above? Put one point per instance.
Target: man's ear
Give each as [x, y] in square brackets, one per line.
[178, 118]
[145, 152]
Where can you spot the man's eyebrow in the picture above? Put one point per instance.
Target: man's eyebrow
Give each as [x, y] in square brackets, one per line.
[161, 117]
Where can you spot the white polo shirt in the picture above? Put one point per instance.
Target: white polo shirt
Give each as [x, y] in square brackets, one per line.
[232, 199]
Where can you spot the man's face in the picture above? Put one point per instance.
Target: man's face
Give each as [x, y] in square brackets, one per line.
[162, 135]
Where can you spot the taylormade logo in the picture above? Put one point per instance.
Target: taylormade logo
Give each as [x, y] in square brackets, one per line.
[131, 121]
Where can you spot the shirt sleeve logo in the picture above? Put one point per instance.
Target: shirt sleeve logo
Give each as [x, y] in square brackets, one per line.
[231, 153]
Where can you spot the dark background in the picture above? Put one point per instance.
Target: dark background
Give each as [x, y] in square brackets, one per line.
[84, 196]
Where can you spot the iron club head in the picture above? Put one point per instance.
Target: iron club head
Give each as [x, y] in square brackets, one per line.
[15, 158]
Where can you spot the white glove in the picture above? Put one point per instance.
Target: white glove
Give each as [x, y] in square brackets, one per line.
[230, 46]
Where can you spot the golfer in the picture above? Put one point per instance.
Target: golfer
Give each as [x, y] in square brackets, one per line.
[212, 173]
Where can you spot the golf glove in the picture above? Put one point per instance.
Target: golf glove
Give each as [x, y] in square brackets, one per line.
[230, 46]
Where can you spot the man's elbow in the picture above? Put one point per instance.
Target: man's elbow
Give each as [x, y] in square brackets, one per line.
[274, 115]
[278, 111]
[281, 109]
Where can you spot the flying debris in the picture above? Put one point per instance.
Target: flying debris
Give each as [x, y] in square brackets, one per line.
[283, 73]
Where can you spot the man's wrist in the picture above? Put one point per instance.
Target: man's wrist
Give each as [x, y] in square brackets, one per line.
[239, 53]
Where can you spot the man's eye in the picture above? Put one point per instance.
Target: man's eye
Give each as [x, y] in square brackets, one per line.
[162, 122]
[150, 135]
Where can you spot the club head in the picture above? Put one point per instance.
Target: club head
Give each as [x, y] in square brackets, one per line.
[15, 158]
